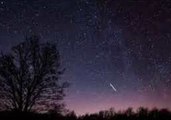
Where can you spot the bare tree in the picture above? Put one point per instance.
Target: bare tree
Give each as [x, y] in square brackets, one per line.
[29, 76]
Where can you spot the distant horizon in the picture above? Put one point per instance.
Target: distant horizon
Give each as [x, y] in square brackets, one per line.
[79, 113]
[121, 110]
[93, 107]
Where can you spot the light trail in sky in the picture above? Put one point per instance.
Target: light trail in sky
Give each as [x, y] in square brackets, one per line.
[113, 87]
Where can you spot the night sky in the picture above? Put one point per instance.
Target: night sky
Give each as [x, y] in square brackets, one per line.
[117, 53]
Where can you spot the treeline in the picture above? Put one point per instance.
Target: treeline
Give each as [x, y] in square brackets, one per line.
[129, 114]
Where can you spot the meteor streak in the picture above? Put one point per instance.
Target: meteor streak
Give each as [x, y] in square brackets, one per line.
[113, 87]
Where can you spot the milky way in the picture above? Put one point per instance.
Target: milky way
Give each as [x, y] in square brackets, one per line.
[101, 42]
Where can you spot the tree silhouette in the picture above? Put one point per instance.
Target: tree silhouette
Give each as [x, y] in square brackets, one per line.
[29, 76]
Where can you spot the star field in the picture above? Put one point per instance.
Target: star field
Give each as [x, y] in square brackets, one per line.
[126, 44]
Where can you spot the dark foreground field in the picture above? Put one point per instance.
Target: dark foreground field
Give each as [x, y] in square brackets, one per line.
[141, 114]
